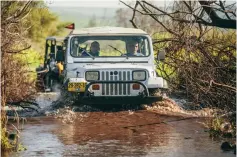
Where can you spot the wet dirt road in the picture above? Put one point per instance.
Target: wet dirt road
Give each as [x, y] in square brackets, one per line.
[123, 133]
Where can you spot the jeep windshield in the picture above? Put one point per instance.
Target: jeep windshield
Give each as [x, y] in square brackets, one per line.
[109, 46]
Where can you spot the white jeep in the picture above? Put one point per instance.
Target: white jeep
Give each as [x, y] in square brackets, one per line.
[111, 74]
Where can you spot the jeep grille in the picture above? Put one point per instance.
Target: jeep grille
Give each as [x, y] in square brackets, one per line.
[116, 89]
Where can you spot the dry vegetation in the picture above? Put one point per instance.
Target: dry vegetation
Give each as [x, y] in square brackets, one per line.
[199, 39]
[201, 54]
[20, 25]
[15, 84]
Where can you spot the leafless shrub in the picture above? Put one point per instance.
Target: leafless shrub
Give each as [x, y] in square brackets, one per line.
[15, 82]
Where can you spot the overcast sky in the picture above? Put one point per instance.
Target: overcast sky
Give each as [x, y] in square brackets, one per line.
[94, 3]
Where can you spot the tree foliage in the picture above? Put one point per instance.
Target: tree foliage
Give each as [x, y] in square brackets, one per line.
[43, 23]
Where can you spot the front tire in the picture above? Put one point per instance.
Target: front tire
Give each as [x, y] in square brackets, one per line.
[154, 91]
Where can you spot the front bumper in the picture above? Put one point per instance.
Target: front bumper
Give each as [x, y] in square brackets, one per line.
[142, 98]
[118, 100]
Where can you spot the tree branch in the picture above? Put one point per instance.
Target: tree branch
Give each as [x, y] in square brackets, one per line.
[169, 30]
[18, 51]
[216, 20]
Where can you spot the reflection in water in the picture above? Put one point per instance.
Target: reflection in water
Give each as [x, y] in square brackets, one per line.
[118, 134]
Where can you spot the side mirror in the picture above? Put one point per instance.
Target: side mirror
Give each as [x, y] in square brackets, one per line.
[161, 55]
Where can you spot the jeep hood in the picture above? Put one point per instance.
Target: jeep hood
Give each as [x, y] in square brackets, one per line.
[108, 66]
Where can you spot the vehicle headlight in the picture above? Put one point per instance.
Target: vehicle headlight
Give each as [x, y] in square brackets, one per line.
[139, 75]
[92, 75]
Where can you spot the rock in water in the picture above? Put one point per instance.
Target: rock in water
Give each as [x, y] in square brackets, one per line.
[225, 146]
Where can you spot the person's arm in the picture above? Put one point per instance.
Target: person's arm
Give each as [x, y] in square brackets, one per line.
[43, 71]
[83, 54]
[139, 54]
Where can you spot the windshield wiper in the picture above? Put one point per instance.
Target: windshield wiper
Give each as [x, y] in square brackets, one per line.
[119, 51]
[116, 49]
[84, 50]
[90, 55]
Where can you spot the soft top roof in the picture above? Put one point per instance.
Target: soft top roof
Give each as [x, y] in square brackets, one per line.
[107, 30]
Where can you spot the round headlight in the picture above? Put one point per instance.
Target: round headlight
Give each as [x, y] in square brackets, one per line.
[92, 75]
[139, 75]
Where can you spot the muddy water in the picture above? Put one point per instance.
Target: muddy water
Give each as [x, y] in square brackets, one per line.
[123, 133]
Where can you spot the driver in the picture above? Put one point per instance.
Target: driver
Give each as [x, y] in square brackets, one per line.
[132, 48]
[94, 49]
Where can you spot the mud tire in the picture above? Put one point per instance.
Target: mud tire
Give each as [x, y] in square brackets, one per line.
[154, 92]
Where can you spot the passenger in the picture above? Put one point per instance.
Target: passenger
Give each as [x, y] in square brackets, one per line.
[132, 48]
[60, 59]
[52, 73]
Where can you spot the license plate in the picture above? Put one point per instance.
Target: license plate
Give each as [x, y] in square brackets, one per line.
[76, 86]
